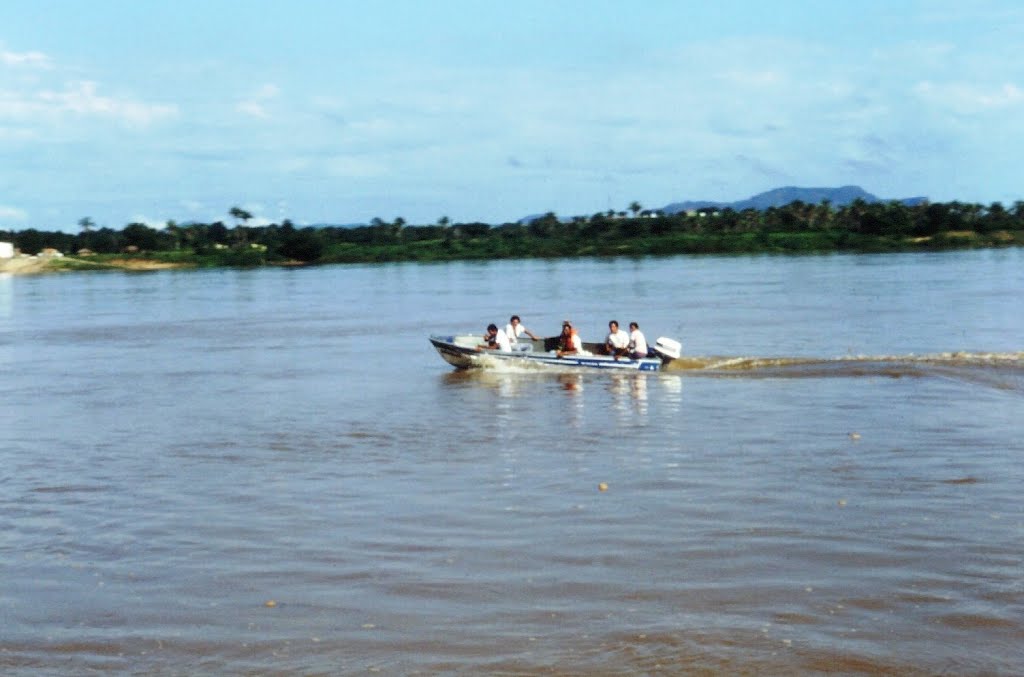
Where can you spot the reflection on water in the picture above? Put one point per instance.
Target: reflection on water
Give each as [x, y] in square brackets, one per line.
[7, 282]
[629, 394]
[6, 294]
[6, 309]
[571, 383]
[671, 386]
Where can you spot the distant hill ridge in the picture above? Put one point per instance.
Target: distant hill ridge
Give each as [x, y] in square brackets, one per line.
[780, 197]
[777, 197]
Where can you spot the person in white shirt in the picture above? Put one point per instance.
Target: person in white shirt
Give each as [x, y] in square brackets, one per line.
[514, 329]
[617, 341]
[637, 343]
[495, 339]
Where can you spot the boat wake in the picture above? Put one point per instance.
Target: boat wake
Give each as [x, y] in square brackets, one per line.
[997, 369]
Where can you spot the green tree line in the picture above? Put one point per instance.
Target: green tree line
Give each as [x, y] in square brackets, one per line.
[797, 227]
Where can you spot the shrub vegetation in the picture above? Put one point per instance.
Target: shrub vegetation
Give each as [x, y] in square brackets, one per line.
[793, 229]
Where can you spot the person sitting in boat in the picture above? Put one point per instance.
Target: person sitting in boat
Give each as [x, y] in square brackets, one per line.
[617, 342]
[569, 342]
[514, 329]
[637, 342]
[495, 339]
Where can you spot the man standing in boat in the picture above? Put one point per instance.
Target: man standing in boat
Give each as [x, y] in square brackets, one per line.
[637, 342]
[495, 339]
[514, 329]
[617, 342]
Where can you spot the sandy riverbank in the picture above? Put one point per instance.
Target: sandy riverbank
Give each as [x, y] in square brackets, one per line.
[24, 265]
[31, 265]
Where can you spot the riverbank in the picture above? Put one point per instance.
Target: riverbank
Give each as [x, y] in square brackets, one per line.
[487, 245]
[35, 265]
[797, 228]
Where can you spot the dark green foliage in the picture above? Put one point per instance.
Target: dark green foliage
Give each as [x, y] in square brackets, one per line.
[794, 228]
[31, 241]
[140, 236]
[302, 245]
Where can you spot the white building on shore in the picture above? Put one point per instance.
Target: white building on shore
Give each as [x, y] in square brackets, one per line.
[6, 250]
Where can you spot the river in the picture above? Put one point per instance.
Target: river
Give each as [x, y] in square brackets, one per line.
[270, 471]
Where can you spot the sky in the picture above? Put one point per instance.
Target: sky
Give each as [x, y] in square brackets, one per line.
[331, 111]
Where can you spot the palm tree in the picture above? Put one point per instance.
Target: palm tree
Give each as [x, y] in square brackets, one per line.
[1018, 209]
[175, 232]
[823, 215]
[241, 236]
[635, 207]
[240, 214]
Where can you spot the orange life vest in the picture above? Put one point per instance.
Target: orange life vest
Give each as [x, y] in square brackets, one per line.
[566, 343]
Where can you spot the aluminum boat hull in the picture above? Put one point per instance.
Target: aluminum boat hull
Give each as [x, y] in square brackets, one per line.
[461, 352]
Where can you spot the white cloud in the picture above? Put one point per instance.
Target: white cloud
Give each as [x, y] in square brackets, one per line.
[16, 106]
[13, 214]
[29, 101]
[268, 91]
[754, 78]
[79, 99]
[970, 98]
[355, 167]
[252, 109]
[156, 224]
[255, 105]
[294, 164]
[14, 133]
[82, 98]
[35, 59]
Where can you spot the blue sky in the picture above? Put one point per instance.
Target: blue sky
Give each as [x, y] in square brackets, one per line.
[339, 112]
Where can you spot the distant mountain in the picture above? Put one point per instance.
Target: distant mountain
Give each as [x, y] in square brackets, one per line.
[780, 197]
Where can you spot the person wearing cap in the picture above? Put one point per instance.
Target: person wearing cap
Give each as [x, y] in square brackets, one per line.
[569, 342]
[495, 339]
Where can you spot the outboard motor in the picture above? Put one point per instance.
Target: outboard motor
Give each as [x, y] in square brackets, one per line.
[667, 349]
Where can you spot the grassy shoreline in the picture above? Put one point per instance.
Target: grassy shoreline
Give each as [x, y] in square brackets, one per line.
[490, 248]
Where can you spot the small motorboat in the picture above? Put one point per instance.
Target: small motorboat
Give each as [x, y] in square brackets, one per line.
[462, 352]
